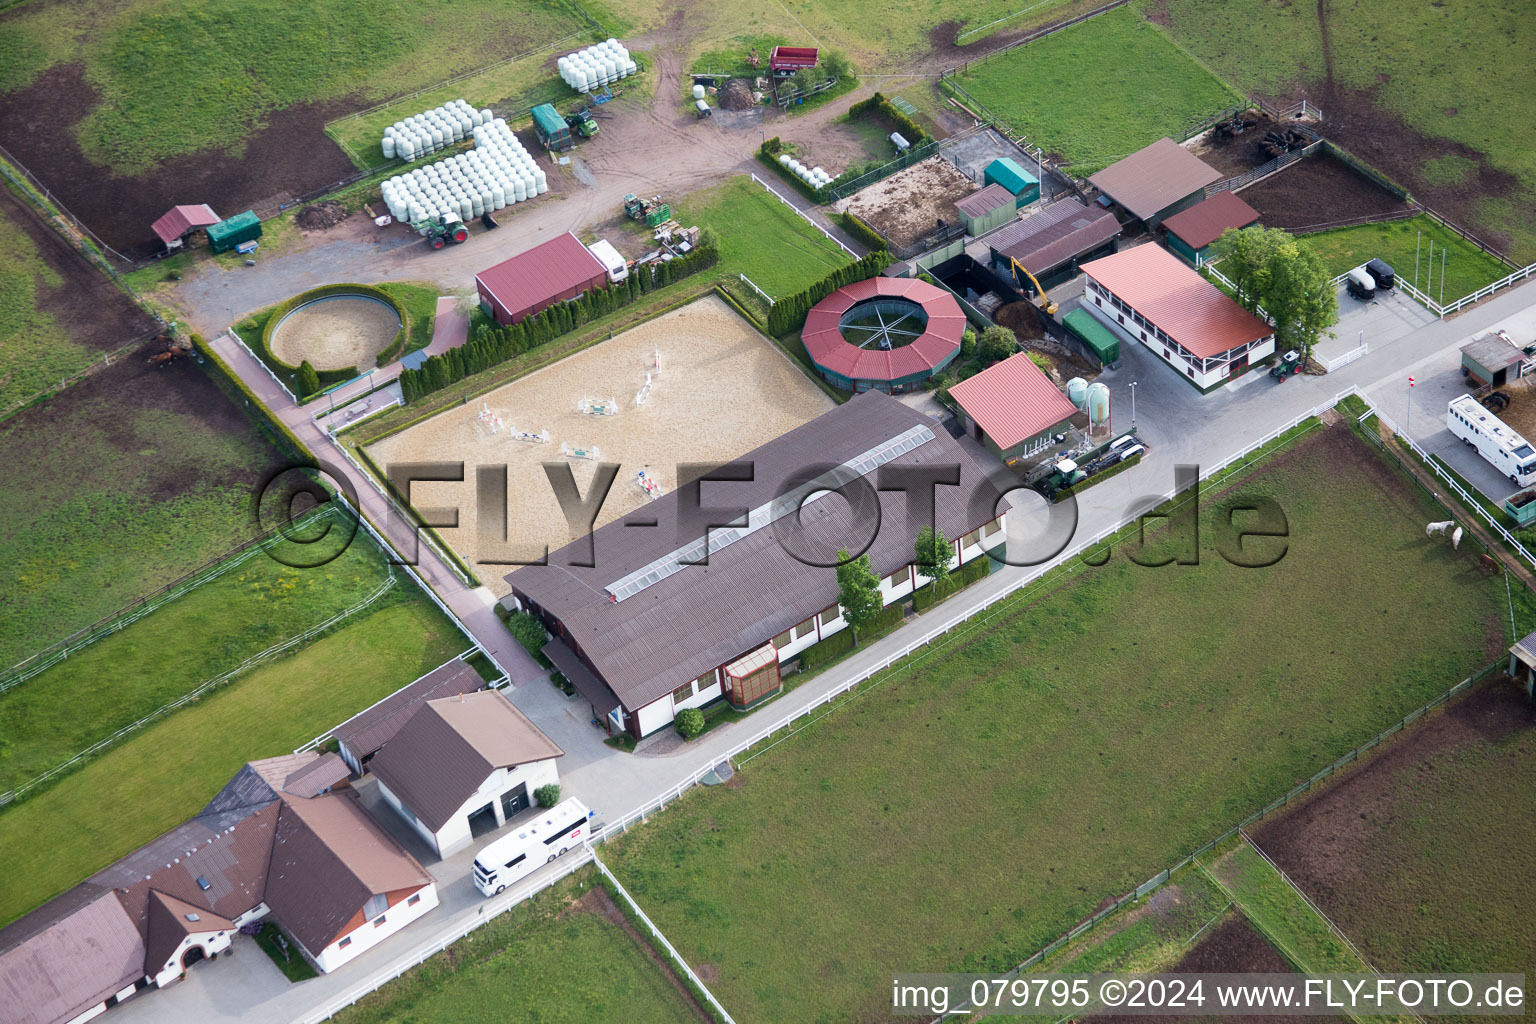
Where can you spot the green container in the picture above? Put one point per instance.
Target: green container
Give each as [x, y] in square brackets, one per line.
[1005, 172]
[551, 127]
[1099, 339]
[226, 234]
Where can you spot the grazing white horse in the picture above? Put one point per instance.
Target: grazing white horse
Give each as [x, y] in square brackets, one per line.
[1456, 538]
[1438, 528]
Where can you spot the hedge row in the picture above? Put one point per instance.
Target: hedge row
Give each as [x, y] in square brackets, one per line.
[492, 346]
[856, 227]
[769, 152]
[834, 646]
[881, 107]
[230, 383]
[1083, 485]
[789, 313]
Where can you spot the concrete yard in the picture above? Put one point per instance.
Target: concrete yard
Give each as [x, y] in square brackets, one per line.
[723, 390]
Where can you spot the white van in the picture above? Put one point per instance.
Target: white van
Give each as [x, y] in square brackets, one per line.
[1131, 452]
[560, 829]
[1122, 442]
[610, 258]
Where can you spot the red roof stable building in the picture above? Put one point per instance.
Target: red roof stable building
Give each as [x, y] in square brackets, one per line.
[1191, 232]
[180, 221]
[1154, 183]
[1151, 296]
[883, 334]
[555, 271]
[1013, 408]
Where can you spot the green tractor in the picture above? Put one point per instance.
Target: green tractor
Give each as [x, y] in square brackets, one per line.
[1064, 473]
[1286, 366]
[582, 123]
[653, 211]
[438, 233]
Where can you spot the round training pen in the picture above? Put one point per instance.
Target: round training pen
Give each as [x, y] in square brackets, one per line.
[335, 331]
[885, 334]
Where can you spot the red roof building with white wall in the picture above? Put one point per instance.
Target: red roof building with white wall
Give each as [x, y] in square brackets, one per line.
[554, 271]
[1149, 295]
[1013, 408]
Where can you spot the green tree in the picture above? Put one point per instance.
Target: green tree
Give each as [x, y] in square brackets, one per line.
[307, 379]
[1272, 271]
[933, 551]
[836, 64]
[996, 343]
[967, 343]
[858, 590]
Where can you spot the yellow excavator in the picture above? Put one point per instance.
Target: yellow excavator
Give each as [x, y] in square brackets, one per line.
[1044, 301]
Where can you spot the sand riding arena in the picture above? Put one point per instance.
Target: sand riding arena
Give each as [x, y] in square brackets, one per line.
[722, 390]
[336, 331]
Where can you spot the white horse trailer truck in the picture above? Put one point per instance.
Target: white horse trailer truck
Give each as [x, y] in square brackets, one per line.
[560, 829]
[1495, 440]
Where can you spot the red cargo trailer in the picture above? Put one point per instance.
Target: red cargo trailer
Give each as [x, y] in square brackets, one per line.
[786, 60]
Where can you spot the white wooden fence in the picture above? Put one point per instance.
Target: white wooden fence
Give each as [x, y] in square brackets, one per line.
[261, 363]
[803, 216]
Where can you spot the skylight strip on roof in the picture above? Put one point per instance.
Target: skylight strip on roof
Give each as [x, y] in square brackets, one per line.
[768, 513]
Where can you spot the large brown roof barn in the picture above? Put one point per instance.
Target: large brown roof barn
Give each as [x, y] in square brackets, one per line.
[1057, 235]
[645, 614]
[67, 956]
[1153, 179]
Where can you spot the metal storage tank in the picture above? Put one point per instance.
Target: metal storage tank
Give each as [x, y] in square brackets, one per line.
[1077, 392]
[1098, 403]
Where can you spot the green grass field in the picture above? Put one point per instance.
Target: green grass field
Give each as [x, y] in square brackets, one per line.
[1452, 70]
[761, 237]
[554, 960]
[1098, 91]
[113, 488]
[164, 774]
[176, 77]
[882, 34]
[988, 795]
[1466, 267]
[35, 351]
[171, 651]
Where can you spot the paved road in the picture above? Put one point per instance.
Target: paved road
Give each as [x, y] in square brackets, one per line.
[1182, 427]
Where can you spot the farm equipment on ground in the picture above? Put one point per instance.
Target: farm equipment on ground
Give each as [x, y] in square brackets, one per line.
[1064, 473]
[582, 123]
[652, 211]
[438, 233]
[1286, 366]
[1042, 300]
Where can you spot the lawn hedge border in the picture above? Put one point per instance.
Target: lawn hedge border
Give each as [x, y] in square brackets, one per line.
[855, 226]
[230, 383]
[282, 309]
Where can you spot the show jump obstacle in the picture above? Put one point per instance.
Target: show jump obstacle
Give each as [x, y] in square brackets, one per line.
[648, 484]
[491, 419]
[598, 407]
[572, 452]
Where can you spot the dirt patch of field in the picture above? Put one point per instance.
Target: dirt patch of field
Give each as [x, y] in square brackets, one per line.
[1421, 853]
[91, 309]
[321, 216]
[1383, 140]
[113, 488]
[1230, 947]
[1316, 192]
[336, 332]
[1234, 154]
[722, 391]
[288, 157]
[909, 205]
